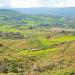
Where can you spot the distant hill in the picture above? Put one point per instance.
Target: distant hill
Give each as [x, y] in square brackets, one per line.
[7, 12]
[18, 17]
[66, 12]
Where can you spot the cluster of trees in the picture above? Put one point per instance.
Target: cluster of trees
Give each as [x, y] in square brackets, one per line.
[11, 35]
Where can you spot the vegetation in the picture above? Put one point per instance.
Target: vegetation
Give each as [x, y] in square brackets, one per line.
[36, 45]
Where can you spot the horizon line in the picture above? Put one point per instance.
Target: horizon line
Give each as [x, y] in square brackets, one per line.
[34, 7]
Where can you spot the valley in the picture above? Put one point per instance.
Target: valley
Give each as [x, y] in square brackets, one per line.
[36, 44]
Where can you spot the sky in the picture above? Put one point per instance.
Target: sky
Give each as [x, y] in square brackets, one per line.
[36, 3]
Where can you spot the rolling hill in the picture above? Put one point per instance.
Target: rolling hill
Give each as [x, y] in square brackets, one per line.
[15, 18]
[66, 12]
[37, 42]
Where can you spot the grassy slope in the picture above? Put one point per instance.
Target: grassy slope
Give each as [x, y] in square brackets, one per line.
[55, 61]
[45, 42]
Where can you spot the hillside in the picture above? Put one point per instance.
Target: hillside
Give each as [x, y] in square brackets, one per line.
[66, 12]
[35, 44]
[55, 59]
[15, 18]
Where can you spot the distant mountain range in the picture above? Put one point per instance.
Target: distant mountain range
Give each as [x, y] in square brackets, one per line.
[66, 12]
[39, 17]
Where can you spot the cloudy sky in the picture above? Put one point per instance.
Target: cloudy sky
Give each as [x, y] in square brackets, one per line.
[36, 3]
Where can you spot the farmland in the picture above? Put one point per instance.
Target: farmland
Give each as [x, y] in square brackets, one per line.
[36, 45]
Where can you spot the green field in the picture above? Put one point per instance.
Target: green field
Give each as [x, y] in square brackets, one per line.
[36, 44]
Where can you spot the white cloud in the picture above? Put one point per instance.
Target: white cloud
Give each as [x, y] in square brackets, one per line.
[24, 3]
[57, 3]
[1, 5]
[36, 3]
[5, 3]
